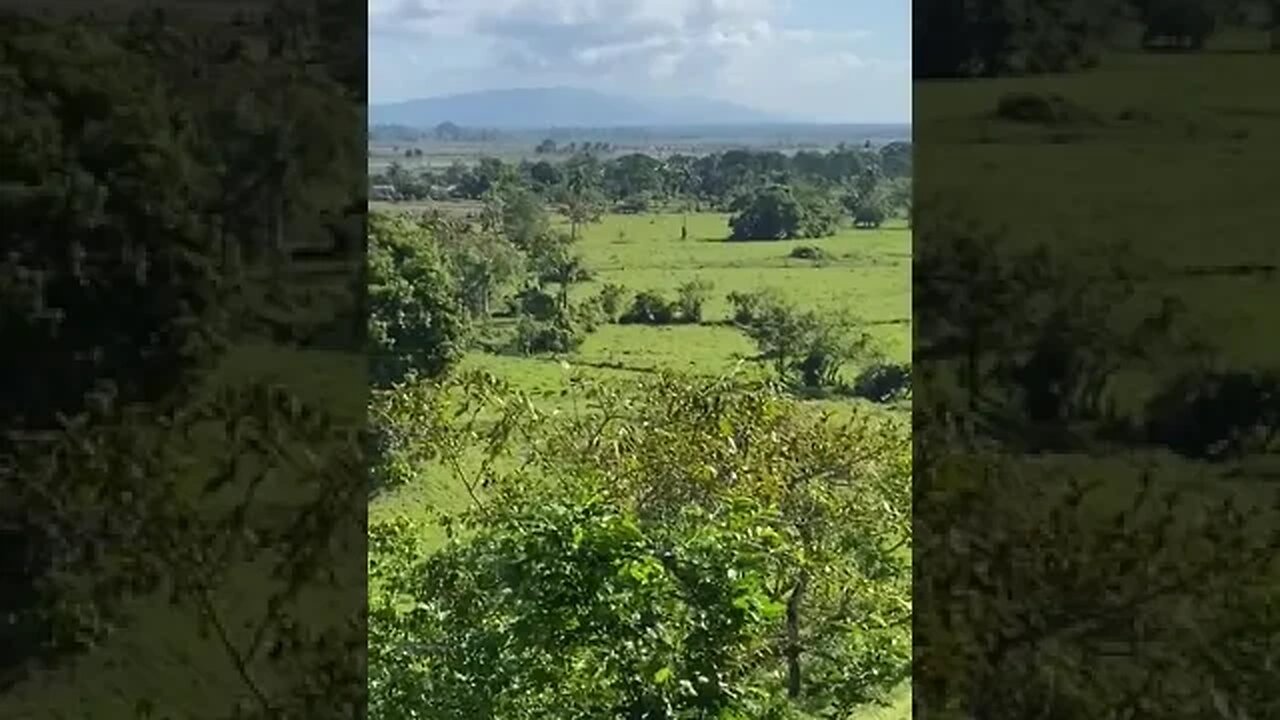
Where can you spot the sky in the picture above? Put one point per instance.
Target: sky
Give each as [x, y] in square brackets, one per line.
[830, 61]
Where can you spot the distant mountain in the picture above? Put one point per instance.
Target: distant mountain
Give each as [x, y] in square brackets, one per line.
[562, 107]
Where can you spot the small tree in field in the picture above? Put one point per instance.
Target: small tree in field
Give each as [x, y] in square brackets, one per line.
[611, 301]
[691, 296]
[772, 213]
[805, 348]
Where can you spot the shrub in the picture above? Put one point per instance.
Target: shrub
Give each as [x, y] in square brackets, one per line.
[804, 347]
[650, 308]
[1027, 107]
[534, 336]
[748, 306]
[537, 304]
[1214, 415]
[869, 217]
[809, 252]
[883, 382]
[611, 299]
[691, 296]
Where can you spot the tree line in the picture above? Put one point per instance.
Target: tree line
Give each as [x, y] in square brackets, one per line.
[1003, 37]
[637, 182]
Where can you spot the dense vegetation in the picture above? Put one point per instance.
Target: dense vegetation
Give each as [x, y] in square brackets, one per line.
[854, 177]
[154, 195]
[676, 550]
[1001, 38]
[682, 545]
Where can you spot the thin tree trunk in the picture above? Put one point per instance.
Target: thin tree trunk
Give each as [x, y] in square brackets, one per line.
[794, 673]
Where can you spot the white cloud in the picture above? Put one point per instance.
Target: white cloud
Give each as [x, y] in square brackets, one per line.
[741, 48]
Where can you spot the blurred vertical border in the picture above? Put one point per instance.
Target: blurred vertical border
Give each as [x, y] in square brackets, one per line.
[182, 489]
[1098, 384]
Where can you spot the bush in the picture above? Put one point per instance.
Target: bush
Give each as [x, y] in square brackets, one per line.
[805, 348]
[690, 299]
[809, 252]
[535, 336]
[537, 304]
[1027, 107]
[749, 306]
[1211, 416]
[883, 382]
[869, 217]
[650, 308]
[611, 299]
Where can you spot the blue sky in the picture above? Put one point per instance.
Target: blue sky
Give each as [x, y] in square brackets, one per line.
[818, 60]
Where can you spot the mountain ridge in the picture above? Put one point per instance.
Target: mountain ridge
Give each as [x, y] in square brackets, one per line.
[567, 107]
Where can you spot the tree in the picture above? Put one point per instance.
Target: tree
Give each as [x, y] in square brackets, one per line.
[546, 147]
[582, 204]
[771, 213]
[780, 212]
[484, 263]
[804, 347]
[899, 196]
[552, 259]
[448, 132]
[416, 324]
[895, 160]
[632, 176]
[524, 217]
[545, 176]
[1001, 37]
[690, 297]
[681, 549]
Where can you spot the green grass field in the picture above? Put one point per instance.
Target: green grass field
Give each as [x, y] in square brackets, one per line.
[1169, 166]
[868, 274]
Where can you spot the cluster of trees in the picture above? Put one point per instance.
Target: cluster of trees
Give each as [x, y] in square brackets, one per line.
[435, 282]
[638, 181]
[679, 549]
[1003, 37]
[772, 195]
[548, 146]
[809, 350]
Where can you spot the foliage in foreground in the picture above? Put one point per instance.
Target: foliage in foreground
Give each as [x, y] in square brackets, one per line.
[673, 550]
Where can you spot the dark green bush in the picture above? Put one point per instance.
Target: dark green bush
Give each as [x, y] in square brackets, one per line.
[883, 382]
[650, 308]
[808, 252]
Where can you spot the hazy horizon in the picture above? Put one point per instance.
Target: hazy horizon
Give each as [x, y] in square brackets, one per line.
[820, 61]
